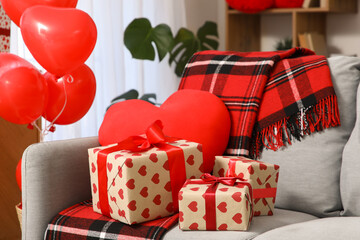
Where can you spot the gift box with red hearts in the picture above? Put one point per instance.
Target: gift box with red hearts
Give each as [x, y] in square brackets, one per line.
[264, 178]
[212, 203]
[134, 187]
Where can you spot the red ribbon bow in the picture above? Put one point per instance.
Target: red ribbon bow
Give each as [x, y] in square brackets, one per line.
[210, 202]
[154, 138]
[229, 181]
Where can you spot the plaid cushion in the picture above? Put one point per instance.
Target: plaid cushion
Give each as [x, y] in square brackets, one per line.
[271, 96]
[80, 222]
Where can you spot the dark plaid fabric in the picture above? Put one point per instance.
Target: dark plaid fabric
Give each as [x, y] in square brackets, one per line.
[271, 96]
[80, 222]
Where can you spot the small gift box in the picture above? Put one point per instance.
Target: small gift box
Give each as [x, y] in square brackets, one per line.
[138, 179]
[212, 203]
[263, 176]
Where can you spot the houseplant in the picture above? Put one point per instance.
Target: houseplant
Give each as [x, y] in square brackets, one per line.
[141, 39]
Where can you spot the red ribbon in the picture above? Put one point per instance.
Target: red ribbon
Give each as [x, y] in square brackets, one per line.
[257, 193]
[210, 202]
[232, 166]
[154, 138]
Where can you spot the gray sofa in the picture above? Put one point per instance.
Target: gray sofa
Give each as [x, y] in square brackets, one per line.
[318, 192]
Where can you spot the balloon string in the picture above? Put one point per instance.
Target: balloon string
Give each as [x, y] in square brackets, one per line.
[62, 110]
[39, 129]
[48, 128]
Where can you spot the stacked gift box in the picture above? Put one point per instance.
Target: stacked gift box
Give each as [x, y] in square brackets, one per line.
[264, 178]
[212, 203]
[139, 179]
[139, 185]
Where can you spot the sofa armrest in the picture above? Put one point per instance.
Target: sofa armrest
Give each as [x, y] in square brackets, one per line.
[55, 175]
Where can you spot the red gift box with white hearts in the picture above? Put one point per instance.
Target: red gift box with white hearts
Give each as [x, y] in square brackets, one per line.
[264, 178]
[215, 205]
[134, 187]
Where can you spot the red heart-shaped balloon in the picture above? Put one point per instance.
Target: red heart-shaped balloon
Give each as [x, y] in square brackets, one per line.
[193, 115]
[80, 86]
[15, 8]
[60, 39]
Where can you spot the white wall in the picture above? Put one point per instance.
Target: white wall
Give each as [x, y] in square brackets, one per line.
[343, 33]
[343, 30]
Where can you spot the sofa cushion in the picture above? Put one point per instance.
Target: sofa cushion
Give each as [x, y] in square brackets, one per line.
[334, 228]
[55, 175]
[310, 170]
[258, 225]
[350, 177]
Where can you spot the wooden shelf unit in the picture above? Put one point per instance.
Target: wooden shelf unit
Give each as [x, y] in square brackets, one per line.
[243, 31]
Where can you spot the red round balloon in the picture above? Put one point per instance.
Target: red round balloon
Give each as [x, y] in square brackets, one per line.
[250, 6]
[192, 115]
[60, 39]
[10, 61]
[79, 93]
[18, 174]
[15, 8]
[23, 90]
[288, 3]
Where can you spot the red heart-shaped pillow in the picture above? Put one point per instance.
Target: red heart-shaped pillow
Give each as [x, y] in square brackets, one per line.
[193, 115]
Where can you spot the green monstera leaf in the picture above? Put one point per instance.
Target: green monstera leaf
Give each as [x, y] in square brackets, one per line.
[186, 44]
[140, 35]
[208, 35]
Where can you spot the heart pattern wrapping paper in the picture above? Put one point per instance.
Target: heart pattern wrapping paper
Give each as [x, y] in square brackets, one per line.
[5, 23]
[138, 185]
[232, 207]
[263, 176]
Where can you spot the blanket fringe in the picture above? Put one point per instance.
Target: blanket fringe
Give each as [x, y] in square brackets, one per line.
[324, 114]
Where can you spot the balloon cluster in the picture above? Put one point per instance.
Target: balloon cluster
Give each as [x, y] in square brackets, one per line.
[60, 38]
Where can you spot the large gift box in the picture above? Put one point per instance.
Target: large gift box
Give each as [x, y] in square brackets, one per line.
[134, 186]
[264, 178]
[212, 203]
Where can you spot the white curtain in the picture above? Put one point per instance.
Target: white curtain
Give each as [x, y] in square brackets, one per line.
[112, 64]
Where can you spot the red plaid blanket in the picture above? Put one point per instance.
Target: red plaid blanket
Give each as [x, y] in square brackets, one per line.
[80, 222]
[272, 97]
